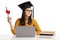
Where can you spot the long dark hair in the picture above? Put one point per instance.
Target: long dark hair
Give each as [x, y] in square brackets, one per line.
[22, 20]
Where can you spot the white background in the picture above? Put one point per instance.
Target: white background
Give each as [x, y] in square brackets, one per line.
[46, 12]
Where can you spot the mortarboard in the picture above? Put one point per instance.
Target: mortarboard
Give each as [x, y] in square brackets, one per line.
[25, 5]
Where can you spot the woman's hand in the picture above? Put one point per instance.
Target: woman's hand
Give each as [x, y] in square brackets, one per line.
[37, 32]
[9, 19]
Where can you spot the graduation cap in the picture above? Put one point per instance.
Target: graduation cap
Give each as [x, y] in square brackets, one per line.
[25, 5]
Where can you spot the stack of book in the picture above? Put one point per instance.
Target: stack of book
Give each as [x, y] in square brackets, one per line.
[47, 33]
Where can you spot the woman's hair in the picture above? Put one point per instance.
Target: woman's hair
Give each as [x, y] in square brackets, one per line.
[22, 20]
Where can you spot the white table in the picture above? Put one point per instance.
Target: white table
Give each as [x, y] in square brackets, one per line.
[9, 37]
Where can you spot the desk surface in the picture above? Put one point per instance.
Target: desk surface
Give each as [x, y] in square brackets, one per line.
[9, 37]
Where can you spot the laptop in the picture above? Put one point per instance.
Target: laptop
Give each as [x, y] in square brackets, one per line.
[25, 31]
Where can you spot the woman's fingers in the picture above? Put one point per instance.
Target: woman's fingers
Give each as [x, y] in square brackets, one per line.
[9, 19]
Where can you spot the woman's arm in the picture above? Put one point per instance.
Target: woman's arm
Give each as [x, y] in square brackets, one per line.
[13, 29]
[10, 22]
[38, 30]
[17, 23]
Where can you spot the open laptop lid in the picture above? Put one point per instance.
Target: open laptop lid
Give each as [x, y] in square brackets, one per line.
[25, 31]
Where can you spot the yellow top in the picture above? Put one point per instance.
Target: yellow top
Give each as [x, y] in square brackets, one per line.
[34, 23]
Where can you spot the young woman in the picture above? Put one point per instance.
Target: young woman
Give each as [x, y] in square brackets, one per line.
[26, 19]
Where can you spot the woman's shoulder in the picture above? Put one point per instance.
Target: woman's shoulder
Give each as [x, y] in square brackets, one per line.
[18, 19]
[33, 19]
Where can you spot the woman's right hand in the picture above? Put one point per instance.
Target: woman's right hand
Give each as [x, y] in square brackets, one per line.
[9, 19]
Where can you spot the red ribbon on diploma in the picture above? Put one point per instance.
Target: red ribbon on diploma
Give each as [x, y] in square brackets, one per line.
[7, 11]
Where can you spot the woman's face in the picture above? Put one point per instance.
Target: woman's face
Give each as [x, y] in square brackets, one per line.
[28, 12]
